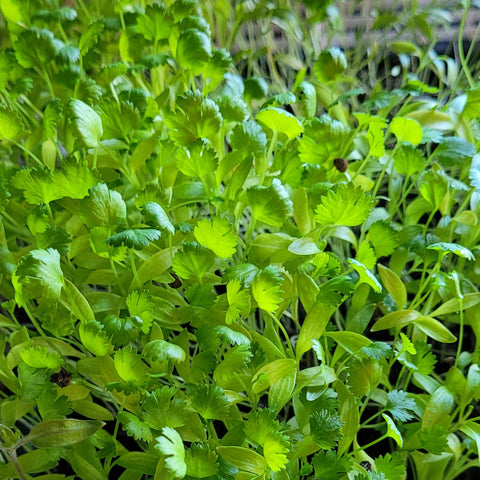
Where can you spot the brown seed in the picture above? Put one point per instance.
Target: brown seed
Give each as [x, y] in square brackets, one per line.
[340, 164]
[62, 378]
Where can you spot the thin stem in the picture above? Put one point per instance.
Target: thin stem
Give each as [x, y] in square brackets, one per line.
[134, 270]
[21, 472]
[282, 328]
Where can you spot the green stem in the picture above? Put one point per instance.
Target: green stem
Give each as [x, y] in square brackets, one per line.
[28, 152]
[264, 166]
[21, 472]
[282, 328]
[134, 270]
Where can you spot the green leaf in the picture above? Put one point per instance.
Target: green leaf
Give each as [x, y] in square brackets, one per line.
[433, 188]
[194, 49]
[161, 350]
[60, 433]
[346, 205]
[399, 404]
[156, 24]
[434, 439]
[454, 150]
[35, 46]
[38, 275]
[216, 234]
[434, 329]
[330, 65]
[366, 256]
[363, 376]
[192, 261]
[438, 408]
[314, 325]
[136, 238]
[40, 357]
[201, 461]
[266, 288]
[103, 207]
[375, 134]
[40, 185]
[394, 285]
[406, 130]
[11, 124]
[383, 237]
[130, 366]
[170, 444]
[94, 339]
[444, 248]
[275, 450]
[249, 137]
[231, 336]
[409, 160]
[135, 427]
[392, 430]
[393, 466]
[322, 140]
[140, 306]
[238, 302]
[156, 217]
[325, 428]
[280, 121]
[378, 350]
[244, 459]
[453, 304]
[87, 122]
[270, 205]
[330, 465]
[195, 117]
[365, 275]
[197, 160]
[209, 401]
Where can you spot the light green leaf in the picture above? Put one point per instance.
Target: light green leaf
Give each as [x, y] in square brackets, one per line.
[383, 237]
[375, 133]
[201, 461]
[395, 319]
[195, 117]
[392, 430]
[40, 357]
[266, 288]
[444, 248]
[231, 336]
[60, 433]
[170, 444]
[366, 276]
[130, 366]
[140, 307]
[197, 160]
[434, 329]
[192, 261]
[275, 451]
[11, 124]
[453, 304]
[94, 339]
[271, 205]
[244, 459]
[433, 188]
[238, 302]
[103, 207]
[366, 255]
[161, 350]
[394, 285]
[280, 121]
[346, 205]
[406, 130]
[87, 122]
[438, 408]
[38, 275]
[194, 49]
[216, 234]
[156, 217]
[249, 137]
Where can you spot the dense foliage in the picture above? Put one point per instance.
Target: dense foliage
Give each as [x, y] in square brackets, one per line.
[230, 249]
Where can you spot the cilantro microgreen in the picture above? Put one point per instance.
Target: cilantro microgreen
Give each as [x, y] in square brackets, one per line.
[214, 242]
